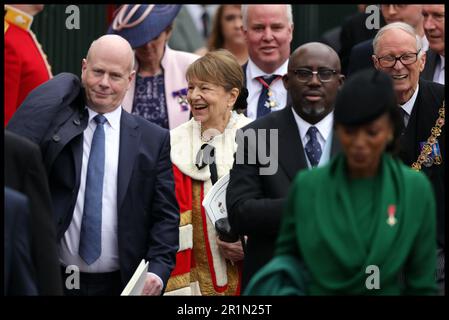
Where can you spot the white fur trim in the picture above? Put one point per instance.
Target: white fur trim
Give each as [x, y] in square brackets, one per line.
[186, 141]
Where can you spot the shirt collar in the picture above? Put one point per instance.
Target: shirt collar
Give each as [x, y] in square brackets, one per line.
[425, 43]
[113, 117]
[18, 18]
[441, 62]
[254, 71]
[408, 106]
[324, 126]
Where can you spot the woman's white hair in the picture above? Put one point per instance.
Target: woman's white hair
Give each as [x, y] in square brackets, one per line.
[402, 26]
[245, 8]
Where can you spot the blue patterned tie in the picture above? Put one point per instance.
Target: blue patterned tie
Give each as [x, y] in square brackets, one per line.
[90, 236]
[261, 108]
[313, 147]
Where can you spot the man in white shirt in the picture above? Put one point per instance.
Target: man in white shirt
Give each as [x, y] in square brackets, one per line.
[268, 32]
[434, 29]
[304, 140]
[110, 175]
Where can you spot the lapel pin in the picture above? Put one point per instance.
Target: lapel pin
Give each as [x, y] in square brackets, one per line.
[391, 212]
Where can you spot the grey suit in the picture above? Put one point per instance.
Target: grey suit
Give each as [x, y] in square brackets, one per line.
[185, 36]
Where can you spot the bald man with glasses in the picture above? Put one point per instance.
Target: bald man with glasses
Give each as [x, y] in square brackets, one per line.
[255, 199]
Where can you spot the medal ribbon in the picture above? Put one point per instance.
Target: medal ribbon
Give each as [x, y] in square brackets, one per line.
[266, 85]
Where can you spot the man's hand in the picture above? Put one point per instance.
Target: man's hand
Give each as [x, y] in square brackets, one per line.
[153, 286]
[232, 251]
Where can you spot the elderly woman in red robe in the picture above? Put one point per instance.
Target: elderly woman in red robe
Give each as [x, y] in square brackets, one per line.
[205, 265]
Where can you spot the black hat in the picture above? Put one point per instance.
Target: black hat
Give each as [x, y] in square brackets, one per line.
[367, 95]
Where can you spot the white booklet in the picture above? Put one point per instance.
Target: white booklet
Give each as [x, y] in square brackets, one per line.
[137, 281]
[215, 201]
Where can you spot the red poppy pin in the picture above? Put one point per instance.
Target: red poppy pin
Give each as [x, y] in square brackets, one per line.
[391, 212]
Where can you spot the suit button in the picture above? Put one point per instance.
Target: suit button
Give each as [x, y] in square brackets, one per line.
[76, 122]
[56, 138]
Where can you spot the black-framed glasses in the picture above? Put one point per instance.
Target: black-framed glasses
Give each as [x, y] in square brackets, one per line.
[406, 59]
[305, 75]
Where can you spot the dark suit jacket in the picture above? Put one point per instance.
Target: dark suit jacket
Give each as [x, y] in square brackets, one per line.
[254, 201]
[331, 37]
[432, 59]
[19, 273]
[354, 31]
[25, 172]
[423, 117]
[148, 215]
[360, 57]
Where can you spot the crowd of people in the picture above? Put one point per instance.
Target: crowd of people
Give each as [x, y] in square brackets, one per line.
[334, 151]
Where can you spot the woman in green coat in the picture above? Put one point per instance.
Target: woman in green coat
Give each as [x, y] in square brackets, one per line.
[365, 223]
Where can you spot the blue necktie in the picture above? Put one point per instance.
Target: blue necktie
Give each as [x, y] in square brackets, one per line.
[90, 235]
[313, 147]
[261, 108]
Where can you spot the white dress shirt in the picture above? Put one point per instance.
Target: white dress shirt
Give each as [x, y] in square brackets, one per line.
[438, 76]
[255, 88]
[324, 135]
[408, 106]
[68, 248]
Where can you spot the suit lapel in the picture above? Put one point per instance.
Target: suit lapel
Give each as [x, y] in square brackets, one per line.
[129, 147]
[431, 62]
[421, 117]
[291, 152]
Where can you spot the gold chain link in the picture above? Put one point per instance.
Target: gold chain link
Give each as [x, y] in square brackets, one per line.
[427, 148]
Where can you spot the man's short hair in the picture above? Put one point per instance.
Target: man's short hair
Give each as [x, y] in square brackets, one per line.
[245, 8]
[402, 26]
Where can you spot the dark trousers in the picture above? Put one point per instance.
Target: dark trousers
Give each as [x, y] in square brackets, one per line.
[92, 284]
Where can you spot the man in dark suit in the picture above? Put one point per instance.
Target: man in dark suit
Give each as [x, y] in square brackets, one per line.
[421, 103]
[110, 174]
[25, 172]
[268, 31]
[257, 190]
[432, 62]
[19, 273]
[434, 29]
[354, 31]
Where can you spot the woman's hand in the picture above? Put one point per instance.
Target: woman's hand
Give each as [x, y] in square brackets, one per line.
[232, 251]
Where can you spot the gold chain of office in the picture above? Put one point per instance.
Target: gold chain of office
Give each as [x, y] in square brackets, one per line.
[426, 150]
